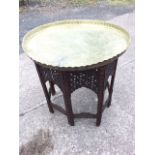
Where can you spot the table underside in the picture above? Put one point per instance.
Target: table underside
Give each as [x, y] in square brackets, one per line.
[98, 80]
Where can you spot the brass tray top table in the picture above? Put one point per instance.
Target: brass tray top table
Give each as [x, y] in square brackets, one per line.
[74, 54]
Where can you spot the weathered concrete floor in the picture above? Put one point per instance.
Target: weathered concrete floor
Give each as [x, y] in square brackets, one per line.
[54, 136]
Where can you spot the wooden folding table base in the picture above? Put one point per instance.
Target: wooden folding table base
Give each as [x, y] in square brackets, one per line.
[97, 79]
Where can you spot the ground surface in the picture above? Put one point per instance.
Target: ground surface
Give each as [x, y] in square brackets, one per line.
[42, 133]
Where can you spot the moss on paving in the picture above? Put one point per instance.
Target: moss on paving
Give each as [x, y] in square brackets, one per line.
[120, 2]
[77, 2]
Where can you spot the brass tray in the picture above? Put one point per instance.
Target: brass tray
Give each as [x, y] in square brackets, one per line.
[75, 44]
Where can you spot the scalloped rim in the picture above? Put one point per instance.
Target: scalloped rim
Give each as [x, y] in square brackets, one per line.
[101, 22]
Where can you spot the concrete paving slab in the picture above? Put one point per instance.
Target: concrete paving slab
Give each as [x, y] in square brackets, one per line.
[127, 22]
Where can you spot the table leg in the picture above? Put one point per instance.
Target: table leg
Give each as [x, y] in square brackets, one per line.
[69, 111]
[67, 98]
[45, 89]
[100, 96]
[112, 85]
[52, 87]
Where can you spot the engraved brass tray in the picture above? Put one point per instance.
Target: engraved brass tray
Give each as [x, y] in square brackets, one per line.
[75, 44]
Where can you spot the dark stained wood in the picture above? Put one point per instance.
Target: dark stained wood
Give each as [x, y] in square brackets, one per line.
[112, 85]
[52, 89]
[58, 108]
[85, 115]
[45, 89]
[68, 81]
[67, 97]
[100, 95]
